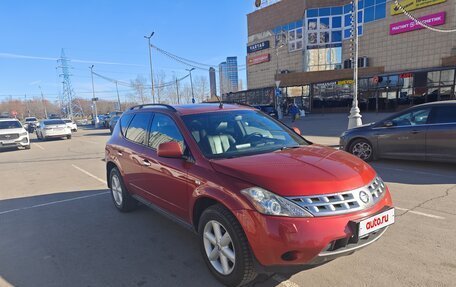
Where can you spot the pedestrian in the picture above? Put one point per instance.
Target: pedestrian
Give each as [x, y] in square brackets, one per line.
[294, 112]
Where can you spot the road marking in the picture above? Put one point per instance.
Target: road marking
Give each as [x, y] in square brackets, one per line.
[420, 213]
[283, 281]
[53, 202]
[38, 145]
[89, 174]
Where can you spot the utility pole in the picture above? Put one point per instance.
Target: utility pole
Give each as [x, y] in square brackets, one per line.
[151, 69]
[43, 103]
[118, 97]
[355, 116]
[94, 99]
[177, 89]
[191, 84]
[26, 105]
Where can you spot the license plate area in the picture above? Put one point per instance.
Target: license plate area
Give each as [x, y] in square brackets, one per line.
[375, 222]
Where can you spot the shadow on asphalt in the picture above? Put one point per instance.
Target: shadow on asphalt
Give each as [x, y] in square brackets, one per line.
[415, 172]
[80, 239]
[107, 133]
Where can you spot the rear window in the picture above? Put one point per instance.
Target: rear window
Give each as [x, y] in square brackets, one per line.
[10, 125]
[30, 120]
[444, 115]
[137, 129]
[54, 122]
[124, 122]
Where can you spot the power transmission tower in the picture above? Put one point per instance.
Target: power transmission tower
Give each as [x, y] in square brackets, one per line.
[70, 108]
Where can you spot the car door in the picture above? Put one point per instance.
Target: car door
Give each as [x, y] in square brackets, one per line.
[404, 136]
[165, 179]
[441, 135]
[131, 153]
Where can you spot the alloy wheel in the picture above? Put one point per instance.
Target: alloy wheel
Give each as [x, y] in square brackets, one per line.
[362, 150]
[219, 247]
[116, 189]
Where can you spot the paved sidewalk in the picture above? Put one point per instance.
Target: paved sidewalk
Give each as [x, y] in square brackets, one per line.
[326, 128]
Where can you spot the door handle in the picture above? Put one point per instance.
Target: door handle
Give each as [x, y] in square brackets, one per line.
[145, 162]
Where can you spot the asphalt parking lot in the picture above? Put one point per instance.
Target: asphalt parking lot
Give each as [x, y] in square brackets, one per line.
[58, 227]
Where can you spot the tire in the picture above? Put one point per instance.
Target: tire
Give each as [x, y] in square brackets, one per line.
[126, 202]
[362, 149]
[242, 271]
[68, 137]
[27, 147]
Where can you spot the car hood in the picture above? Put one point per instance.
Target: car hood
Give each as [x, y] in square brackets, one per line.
[309, 170]
[12, 131]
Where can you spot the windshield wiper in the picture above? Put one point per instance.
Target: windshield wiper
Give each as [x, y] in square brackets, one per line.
[289, 147]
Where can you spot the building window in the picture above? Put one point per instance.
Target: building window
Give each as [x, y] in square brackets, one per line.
[323, 59]
[295, 39]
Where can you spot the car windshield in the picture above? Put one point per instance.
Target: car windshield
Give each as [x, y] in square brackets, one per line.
[10, 125]
[230, 134]
[54, 122]
[30, 120]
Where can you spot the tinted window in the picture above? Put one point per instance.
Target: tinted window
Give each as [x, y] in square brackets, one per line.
[10, 125]
[443, 115]
[30, 120]
[417, 117]
[124, 121]
[137, 129]
[54, 122]
[162, 130]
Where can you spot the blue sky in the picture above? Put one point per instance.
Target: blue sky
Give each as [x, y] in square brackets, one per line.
[103, 32]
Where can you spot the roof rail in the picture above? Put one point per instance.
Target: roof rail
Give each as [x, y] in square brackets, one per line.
[153, 105]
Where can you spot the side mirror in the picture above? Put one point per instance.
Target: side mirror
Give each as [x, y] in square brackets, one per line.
[296, 130]
[388, 124]
[170, 149]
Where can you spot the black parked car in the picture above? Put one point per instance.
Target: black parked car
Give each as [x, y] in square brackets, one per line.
[424, 132]
[267, 109]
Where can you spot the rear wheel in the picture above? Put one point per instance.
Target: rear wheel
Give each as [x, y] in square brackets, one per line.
[123, 201]
[363, 149]
[27, 147]
[225, 248]
[68, 137]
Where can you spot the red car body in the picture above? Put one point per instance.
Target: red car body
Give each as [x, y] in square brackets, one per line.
[183, 188]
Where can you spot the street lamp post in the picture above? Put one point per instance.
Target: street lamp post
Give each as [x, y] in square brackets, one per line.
[355, 116]
[191, 84]
[43, 103]
[177, 90]
[151, 69]
[118, 97]
[94, 99]
[279, 44]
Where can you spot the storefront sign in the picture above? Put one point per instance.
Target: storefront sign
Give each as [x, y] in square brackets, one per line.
[257, 47]
[410, 5]
[345, 82]
[406, 75]
[263, 58]
[410, 25]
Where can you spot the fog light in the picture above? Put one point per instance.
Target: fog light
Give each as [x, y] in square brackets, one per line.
[290, 256]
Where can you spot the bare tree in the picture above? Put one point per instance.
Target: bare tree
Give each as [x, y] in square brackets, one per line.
[201, 89]
[159, 88]
[139, 85]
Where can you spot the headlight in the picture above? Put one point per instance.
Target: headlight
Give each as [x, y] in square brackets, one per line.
[269, 203]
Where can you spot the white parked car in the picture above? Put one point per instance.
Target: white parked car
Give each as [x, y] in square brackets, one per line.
[72, 125]
[30, 120]
[13, 134]
[53, 129]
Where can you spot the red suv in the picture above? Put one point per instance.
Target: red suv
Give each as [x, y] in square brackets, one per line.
[259, 195]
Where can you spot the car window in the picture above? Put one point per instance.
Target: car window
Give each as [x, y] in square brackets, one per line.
[162, 130]
[54, 122]
[229, 134]
[444, 115]
[10, 125]
[124, 121]
[413, 118]
[137, 129]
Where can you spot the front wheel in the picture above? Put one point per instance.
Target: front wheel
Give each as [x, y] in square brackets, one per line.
[363, 149]
[27, 147]
[225, 248]
[68, 137]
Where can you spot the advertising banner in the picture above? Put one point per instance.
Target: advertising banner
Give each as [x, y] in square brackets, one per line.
[410, 5]
[257, 47]
[263, 58]
[410, 25]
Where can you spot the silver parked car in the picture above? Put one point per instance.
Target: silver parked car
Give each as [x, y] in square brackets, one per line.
[424, 132]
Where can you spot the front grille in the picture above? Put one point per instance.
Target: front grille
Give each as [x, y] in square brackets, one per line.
[344, 202]
[8, 137]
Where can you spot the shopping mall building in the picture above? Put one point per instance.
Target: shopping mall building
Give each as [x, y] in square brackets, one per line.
[306, 44]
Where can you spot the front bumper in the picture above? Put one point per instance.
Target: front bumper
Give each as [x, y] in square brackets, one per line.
[281, 241]
[19, 142]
